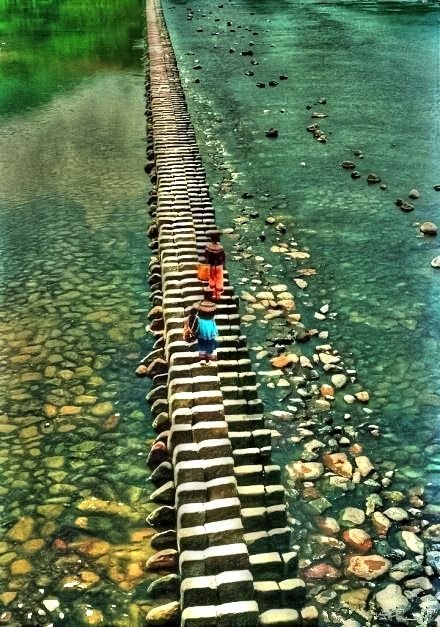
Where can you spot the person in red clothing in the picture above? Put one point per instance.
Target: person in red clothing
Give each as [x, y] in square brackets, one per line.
[215, 256]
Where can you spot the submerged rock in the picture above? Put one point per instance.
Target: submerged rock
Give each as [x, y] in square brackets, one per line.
[328, 525]
[392, 602]
[351, 517]
[368, 567]
[364, 465]
[373, 178]
[167, 615]
[358, 539]
[305, 471]
[348, 165]
[339, 380]
[396, 513]
[95, 505]
[411, 541]
[338, 463]
[381, 524]
[102, 409]
[321, 571]
[406, 206]
[405, 568]
[22, 530]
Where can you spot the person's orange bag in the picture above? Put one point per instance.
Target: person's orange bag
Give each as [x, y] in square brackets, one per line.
[203, 271]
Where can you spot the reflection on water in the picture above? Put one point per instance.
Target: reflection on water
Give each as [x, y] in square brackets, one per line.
[45, 46]
[74, 489]
[85, 136]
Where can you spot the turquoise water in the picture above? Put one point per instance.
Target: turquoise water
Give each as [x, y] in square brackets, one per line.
[73, 300]
[376, 64]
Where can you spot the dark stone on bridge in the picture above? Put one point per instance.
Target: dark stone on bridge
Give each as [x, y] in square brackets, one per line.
[162, 474]
[167, 559]
[164, 540]
[167, 586]
[158, 454]
[163, 516]
[164, 494]
[162, 422]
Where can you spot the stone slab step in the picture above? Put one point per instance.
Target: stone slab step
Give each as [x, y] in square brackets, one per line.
[239, 422]
[235, 392]
[263, 518]
[236, 614]
[237, 378]
[201, 537]
[193, 589]
[221, 488]
[190, 492]
[233, 406]
[258, 542]
[248, 474]
[266, 566]
[191, 384]
[196, 398]
[233, 585]
[281, 618]
[267, 594]
[247, 456]
[228, 363]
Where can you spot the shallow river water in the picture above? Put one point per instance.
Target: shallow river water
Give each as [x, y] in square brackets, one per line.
[73, 255]
[73, 303]
[375, 64]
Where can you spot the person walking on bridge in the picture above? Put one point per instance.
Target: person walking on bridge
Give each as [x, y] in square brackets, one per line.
[207, 331]
[216, 258]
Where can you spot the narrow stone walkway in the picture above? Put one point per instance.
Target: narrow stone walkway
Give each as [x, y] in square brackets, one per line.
[212, 457]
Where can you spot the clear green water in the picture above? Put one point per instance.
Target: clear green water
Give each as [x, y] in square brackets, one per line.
[376, 64]
[73, 306]
[73, 253]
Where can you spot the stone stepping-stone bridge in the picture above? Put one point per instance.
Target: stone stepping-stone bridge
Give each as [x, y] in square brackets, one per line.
[221, 516]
